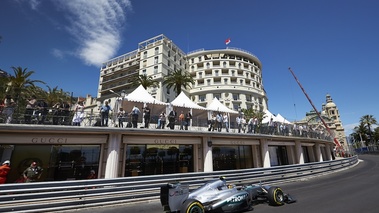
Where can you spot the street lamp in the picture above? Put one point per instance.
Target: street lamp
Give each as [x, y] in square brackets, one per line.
[123, 94]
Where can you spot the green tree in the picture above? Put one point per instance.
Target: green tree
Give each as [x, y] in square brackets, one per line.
[368, 121]
[360, 134]
[54, 95]
[145, 81]
[178, 79]
[21, 84]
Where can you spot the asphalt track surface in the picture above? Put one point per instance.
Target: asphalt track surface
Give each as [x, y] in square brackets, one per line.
[354, 190]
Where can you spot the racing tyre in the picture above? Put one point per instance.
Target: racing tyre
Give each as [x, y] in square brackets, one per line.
[192, 206]
[275, 196]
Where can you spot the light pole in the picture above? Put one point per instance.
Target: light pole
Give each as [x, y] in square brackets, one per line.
[123, 94]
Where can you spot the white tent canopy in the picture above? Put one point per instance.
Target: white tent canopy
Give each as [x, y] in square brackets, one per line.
[267, 117]
[281, 119]
[217, 106]
[183, 101]
[141, 95]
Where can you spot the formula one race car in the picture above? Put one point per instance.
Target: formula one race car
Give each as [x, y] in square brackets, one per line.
[217, 196]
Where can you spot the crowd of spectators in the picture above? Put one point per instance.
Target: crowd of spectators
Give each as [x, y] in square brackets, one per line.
[37, 111]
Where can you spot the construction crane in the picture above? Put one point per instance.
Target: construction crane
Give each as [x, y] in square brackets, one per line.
[339, 148]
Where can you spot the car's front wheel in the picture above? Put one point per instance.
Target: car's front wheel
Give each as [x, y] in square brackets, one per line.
[275, 196]
[192, 206]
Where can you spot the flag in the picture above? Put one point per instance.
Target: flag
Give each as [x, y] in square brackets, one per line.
[227, 41]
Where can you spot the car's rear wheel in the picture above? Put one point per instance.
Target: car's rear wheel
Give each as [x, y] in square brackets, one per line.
[192, 206]
[275, 196]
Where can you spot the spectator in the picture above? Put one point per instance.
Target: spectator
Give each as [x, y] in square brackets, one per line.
[146, 116]
[92, 175]
[225, 120]
[41, 111]
[171, 119]
[162, 121]
[187, 118]
[78, 114]
[8, 109]
[121, 117]
[32, 173]
[30, 107]
[239, 123]
[219, 121]
[243, 124]
[181, 120]
[135, 112]
[65, 112]
[212, 123]
[105, 113]
[57, 113]
[4, 170]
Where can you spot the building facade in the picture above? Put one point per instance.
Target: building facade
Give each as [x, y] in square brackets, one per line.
[330, 114]
[232, 75]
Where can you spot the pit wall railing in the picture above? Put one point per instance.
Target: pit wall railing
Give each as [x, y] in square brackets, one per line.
[69, 195]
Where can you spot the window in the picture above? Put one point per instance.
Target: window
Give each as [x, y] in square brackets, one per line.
[224, 64]
[236, 96]
[156, 60]
[208, 82]
[169, 54]
[208, 65]
[199, 58]
[145, 54]
[200, 75]
[216, 72]
[192, 60]
[155, 69]
[202, 97]
[143, 72]
[156, 50]
[225, 81]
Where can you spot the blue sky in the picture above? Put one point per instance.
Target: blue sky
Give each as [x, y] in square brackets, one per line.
[331, 45]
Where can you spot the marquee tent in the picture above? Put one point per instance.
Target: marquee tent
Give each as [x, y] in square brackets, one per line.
[267, 117]
[183, 101]
[141, 95]
[217, 106]
[140, 98]
[281, 119]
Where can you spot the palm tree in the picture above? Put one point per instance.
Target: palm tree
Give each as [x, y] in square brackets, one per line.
[178, 79]
[54, 95]
[360, 134]
[368, 121]
[20, 82]
[145, 81]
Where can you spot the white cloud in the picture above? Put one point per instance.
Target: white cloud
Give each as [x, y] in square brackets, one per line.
[58, 53]
[97, 26]
[34, 4]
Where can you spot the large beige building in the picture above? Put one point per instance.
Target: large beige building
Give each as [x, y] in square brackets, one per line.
[232, 75]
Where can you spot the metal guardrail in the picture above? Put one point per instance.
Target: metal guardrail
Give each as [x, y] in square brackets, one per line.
[65, 195]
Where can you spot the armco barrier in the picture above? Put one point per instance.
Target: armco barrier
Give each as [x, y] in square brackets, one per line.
[64, 195]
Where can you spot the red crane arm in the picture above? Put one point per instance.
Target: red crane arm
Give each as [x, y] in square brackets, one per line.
[318, 113]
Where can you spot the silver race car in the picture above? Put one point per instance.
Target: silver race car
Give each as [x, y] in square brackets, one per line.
[218, 196]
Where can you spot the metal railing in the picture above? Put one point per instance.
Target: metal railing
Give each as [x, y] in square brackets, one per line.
[66, 195]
